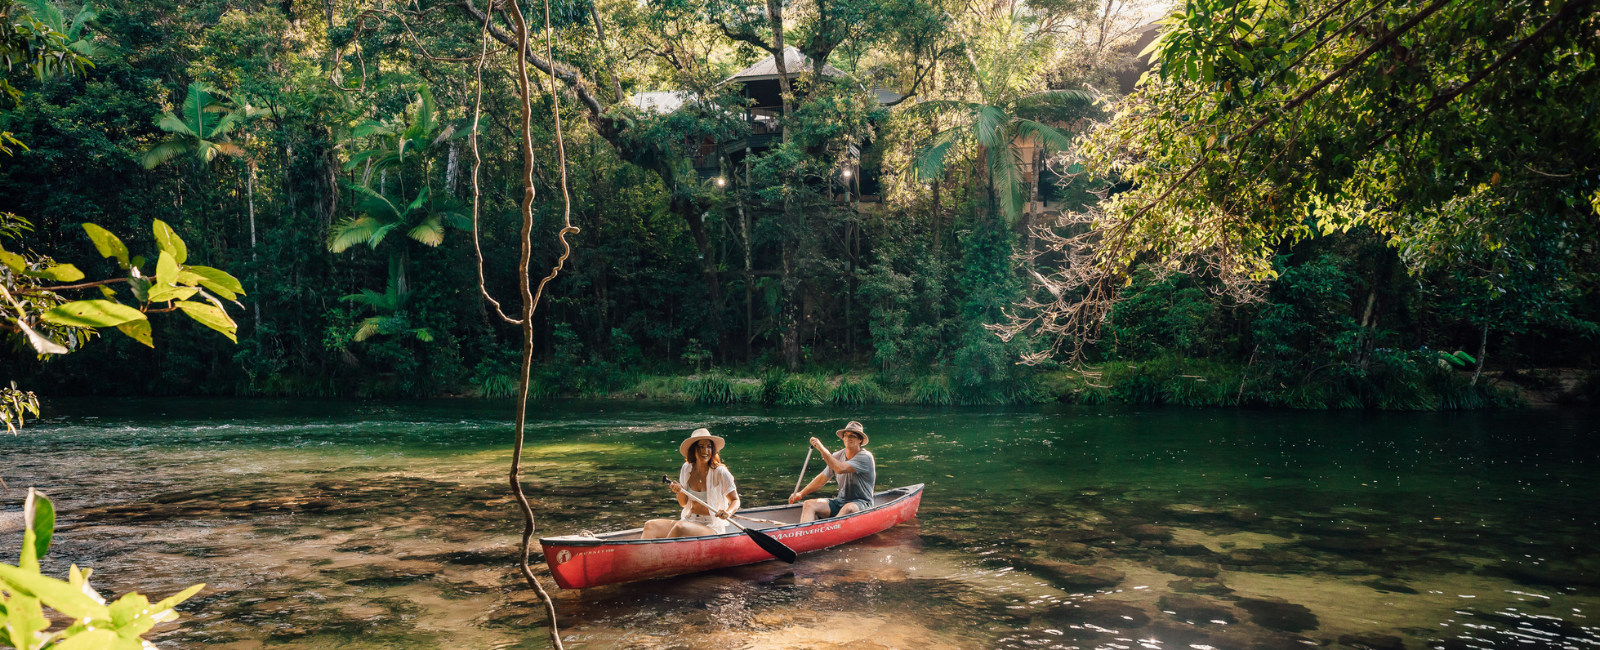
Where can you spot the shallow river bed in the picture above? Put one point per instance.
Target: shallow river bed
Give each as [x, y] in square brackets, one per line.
[327, 524]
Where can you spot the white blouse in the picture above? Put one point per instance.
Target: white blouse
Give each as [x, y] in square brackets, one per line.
[719, 482]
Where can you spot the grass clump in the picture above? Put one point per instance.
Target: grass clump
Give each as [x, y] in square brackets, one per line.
[711, 388]
[932, 390]
[498, 386]
[852, 391]
[802, 390]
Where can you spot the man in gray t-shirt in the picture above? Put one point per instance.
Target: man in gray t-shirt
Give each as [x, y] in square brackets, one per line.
[853, 468]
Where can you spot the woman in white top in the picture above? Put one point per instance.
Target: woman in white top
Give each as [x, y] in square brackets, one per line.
[704, 475]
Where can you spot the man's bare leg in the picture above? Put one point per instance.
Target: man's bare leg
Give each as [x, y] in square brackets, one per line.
[849, 508]
[813, 510]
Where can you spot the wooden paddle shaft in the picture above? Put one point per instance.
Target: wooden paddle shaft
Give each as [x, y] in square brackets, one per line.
[803, 469]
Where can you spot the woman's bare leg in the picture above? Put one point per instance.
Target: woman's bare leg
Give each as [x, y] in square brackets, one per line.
[657, 528]
[690, 529]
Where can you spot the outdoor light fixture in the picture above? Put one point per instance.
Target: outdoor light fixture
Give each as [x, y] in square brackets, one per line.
[721, 181]
[847, 173]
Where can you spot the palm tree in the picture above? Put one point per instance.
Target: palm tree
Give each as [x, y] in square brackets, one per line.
[390, 305]
[999, 118]
[423, 220]
[397, 136]
[201, 130]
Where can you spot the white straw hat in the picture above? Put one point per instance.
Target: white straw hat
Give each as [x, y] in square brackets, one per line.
[853, 427]
[697, 436]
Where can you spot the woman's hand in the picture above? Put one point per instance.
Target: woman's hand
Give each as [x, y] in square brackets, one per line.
[723, 514]
[676, 489]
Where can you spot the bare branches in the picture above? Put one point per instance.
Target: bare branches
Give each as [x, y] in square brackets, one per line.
[530, 300]
[477, 164]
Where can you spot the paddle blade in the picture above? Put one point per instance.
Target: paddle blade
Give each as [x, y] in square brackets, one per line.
[770, 545]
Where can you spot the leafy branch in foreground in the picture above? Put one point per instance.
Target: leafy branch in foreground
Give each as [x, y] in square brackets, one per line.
[1428, 123]
[25, 591]
[36, 307]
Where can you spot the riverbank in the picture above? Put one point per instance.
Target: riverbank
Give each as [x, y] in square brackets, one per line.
[1174, 381]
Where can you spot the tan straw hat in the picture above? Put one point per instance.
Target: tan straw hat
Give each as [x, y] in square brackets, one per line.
[697, 436]
[853, 427]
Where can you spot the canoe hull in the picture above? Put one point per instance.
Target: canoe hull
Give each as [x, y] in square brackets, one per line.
[577, 563]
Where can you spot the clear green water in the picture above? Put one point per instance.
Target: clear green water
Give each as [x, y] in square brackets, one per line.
[367, 525]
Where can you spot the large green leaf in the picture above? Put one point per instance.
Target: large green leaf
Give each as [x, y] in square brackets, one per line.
[108, 244]
[55, 594]
[210, 316]
[138, 330]
[39, 514]
[13, 261]
[58, 273]
[169, 242]
[95, 639]
[218, 281]
[92, 313]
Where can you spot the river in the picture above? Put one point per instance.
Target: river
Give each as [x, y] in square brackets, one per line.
[345, 524]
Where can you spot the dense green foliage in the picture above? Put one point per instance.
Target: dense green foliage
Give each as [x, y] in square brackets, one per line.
[342, 199]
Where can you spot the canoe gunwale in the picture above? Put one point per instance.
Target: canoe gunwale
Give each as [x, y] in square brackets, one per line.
[905, 492]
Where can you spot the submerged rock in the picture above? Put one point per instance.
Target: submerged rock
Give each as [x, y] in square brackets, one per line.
[1103, 613]
[1391, 585]
[1189, 510]
[1197, 609]
[1372, 641]
[1210, 586]
[1149, 531]
[1188, 567]
[1279, 614]
[1067, 574]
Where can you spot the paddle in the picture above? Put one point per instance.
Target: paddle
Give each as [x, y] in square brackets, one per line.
[766, 542]
[802, 478]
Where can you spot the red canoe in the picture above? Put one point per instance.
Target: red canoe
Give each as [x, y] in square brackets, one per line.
[579, 561]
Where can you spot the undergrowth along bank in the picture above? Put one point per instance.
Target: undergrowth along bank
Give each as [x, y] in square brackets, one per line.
[1401, 383]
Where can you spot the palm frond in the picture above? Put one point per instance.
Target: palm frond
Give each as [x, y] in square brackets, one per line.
[989, 125]
[376, 205]
[165, 151]
[197, 105]
[937, 106]
[428, 233]
[350, 232]
[367, 297]
[380, 233]
[173, 124]
[1053, 139]
[371, 127]
[929, 161]
[1006, 178]
[421, 200]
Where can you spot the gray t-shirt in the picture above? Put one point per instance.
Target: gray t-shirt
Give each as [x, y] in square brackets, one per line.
[856, 485]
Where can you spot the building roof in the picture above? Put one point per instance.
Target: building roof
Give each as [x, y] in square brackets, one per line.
[663, 102]
[794, 62]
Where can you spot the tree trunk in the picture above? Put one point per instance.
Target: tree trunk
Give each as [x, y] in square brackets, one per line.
[1483, 351]
[775, 17]
[250, 194]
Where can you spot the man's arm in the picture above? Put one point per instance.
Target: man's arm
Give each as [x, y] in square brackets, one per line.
[838, 466]
[813, 486]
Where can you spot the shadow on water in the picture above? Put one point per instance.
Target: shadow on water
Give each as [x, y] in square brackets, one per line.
[330, 524]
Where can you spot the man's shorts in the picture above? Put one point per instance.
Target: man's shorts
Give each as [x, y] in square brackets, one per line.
[836, 504]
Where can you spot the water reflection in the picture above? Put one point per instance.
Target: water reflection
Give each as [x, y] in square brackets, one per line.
[376, 525]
